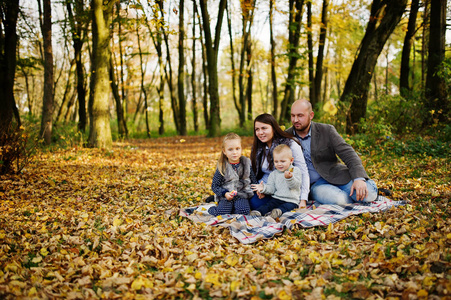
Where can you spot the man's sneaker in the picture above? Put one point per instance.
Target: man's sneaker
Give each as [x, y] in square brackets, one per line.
[275, 213]
[255, 213]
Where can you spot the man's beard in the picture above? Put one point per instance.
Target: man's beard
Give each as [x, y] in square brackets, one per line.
[302, 128]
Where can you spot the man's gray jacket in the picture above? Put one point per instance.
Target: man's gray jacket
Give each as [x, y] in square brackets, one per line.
[326, 145]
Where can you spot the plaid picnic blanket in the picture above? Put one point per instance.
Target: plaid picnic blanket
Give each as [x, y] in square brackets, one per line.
[249, 229]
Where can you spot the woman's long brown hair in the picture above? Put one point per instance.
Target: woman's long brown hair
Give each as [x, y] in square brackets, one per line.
[277, 131]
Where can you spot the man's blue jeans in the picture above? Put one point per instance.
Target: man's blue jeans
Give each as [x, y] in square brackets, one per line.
[325, 193]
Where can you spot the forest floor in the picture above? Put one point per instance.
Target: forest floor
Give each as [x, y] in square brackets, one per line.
[89, 223]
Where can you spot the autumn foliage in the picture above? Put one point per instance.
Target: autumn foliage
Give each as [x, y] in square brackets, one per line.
[90, 223]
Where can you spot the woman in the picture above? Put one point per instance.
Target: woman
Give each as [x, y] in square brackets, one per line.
[268, 135]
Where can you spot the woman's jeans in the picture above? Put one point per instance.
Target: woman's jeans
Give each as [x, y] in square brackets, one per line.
[325, 193]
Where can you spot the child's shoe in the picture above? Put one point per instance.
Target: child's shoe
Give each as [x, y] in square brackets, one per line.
[255, 213]
[275, 213]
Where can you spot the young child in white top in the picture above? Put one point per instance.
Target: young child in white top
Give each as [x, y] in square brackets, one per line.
[284, 185]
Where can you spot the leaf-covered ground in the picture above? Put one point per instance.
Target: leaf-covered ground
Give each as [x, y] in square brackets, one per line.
[89, 223]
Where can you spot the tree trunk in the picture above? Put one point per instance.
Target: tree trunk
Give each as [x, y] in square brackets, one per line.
[294, 34]
[384, 17]
[406, 49]
[143, 74]
[311, 62]
[121, 62]
[250, 80]
[66, 95]
[437, 105]
[212, 48]
[77, 33]
[275, 102]
[424, 42]
[157, 42]
[204, 74]
[193, 74]
[47, 106]
[174, 104]
[248, 17]
[181, 73]
[121, 124]
[8, 45]
[232, 61]
[100, 130]
[320, 57]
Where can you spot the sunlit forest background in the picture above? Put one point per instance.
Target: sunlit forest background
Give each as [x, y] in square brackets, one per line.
[206, 67]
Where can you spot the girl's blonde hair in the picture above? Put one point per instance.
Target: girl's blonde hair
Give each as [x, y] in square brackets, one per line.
[222, 158]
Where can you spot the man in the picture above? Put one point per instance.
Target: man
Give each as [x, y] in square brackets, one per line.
[331, 182]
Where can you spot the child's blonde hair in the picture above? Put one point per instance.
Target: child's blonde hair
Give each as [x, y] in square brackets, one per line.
[282, 148]
[222, 158]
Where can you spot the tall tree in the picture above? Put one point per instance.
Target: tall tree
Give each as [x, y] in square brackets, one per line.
[406, 49]
[193, 74]
[121, 124]
[100, 130]
[320, 56]
[294, 34]
[212, 47]
[157, 42]
[78, 29]
[169, 73]
[143, 92]
[384, 17]
[47, 107]
[9, 11]
[311, 70]
[181, 73]
[437, 104]
[275, 102]
[232, 64]
[250, 80]
[247, 12]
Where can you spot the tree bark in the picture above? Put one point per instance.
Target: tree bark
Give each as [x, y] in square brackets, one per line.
[436, 104]
[66, 95]
[143, 74]
[193, 74]
[77, 34]
[294, 34]
[311, 70]
[384, 17]
[232, 62]
[100, 130]
[406, 49]
[121, 124]
[47, 107]
[275, 102]
[181, 71]
[174, 104]
[247, 20]
[320, 57]
[250, 80]
[8, 45]
[212, 48]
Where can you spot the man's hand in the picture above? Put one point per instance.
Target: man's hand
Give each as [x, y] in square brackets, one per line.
[360, 188]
